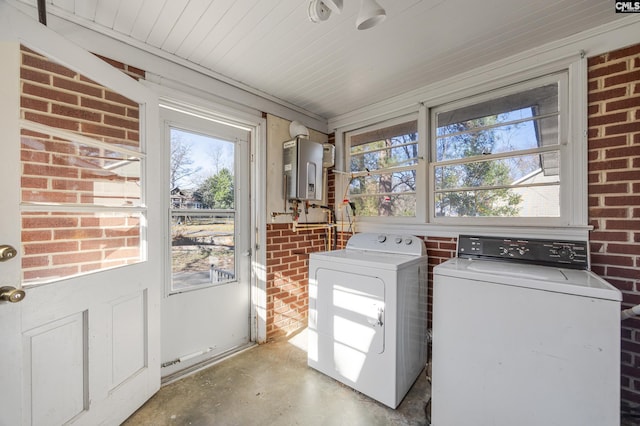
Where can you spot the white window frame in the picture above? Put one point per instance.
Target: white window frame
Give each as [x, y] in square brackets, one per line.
[419, 169]
[573, 220]
[563, 148]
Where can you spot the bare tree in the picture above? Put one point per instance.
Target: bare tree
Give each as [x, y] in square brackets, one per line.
[181, 161]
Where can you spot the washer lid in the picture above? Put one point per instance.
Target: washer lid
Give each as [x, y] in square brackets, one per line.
[518, 270]
[559, 280]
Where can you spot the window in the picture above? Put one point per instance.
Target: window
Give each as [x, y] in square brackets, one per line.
[510, 156]
[498, 155]
[82, 161]
[383, 162]
[203, 215]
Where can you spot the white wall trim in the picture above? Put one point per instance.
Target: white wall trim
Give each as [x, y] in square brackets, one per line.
[259, 234]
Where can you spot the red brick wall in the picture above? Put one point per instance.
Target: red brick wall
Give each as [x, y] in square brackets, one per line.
[439, 249]
[57, 243]
[614, 191]
[288, 276]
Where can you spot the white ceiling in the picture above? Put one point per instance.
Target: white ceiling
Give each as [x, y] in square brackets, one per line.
[330, 68]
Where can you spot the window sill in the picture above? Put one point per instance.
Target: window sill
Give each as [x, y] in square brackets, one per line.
[579, 233]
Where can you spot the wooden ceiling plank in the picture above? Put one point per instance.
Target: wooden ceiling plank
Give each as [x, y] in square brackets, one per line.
[188, 20]
[170, 13]
[221, 13]
[85, 9]
[106, 12]
[127, 14]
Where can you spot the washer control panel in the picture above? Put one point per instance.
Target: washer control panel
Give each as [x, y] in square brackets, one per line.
[566, 254]
[388, 243]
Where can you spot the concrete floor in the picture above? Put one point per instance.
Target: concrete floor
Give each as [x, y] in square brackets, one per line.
[271, 384]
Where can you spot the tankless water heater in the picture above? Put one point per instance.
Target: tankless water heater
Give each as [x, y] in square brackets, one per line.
[302, 161]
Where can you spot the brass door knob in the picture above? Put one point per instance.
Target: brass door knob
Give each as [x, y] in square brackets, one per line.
[7, 253]
[11, 294]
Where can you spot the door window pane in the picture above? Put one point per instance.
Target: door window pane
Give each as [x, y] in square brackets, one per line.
[62, 244]
[202, 195]
[82, 201]
[56, 170]
[202, 249]
[61, 98]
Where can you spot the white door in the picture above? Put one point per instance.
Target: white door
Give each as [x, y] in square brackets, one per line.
[207, 304]
[80, 205]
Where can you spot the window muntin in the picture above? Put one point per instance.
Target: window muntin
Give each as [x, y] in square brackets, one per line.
[502, 136]
[491, 155]
[383, 164]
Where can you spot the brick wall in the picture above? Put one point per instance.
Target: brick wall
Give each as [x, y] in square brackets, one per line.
[288, 277]
[439, 249]
[614, 191]
[56, 171]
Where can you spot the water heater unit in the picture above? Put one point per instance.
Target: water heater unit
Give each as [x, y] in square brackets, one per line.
[302, 161]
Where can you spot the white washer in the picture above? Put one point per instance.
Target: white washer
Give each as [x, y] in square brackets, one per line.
[517, 343]
[368, 314]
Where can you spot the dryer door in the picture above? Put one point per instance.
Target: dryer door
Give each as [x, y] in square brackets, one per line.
[351, 308]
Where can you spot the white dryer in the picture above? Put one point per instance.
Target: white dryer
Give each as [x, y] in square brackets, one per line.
[524, 334]
[368, 314]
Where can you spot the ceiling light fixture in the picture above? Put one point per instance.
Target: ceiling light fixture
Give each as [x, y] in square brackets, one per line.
[370, 14]
[334, 5]
[318, 11]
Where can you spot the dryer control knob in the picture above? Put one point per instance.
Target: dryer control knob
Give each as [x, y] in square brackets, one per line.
[398, 240]
[382, 238]
[408, 241]
[566, 252]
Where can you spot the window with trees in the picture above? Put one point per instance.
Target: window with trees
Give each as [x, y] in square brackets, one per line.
[383, 163]
[201, 180]
[498, 154]
[490, 157]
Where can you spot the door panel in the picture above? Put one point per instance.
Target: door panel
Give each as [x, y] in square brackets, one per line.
[206, 310]
[52, 371]
[82, 210]
[128, 331]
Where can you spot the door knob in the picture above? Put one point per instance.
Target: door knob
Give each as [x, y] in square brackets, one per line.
[11, 294]
[7, 253]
